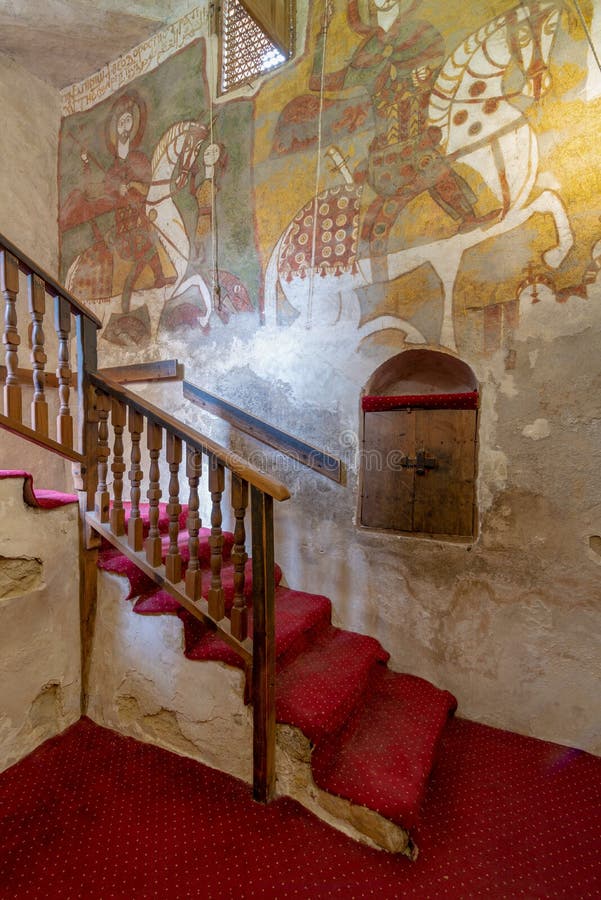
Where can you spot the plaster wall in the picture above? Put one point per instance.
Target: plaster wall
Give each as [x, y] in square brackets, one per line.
[39, 623]
[29, 149]
[509, 621]
[28, 218]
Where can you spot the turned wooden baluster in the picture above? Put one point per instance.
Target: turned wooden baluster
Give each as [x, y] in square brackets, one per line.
[173, 560]
[9, 284]
[239, 557]
[135, 527]
[193, 471]
[64, 420]
[154, 436]
[216, 487]
[118, 418]
[37, 309]
[102, 499]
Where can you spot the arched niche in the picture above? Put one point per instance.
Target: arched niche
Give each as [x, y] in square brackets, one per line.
[422, 372]
[419, 449]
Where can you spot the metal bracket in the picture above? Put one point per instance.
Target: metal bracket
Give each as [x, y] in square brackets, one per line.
[420, 463]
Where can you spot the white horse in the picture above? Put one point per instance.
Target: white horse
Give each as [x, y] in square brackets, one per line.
[484, 128]
[178, 147]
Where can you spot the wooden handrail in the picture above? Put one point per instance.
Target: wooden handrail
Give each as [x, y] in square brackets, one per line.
[231, 460]
[268, 434]
[41, 441]
[53, 287]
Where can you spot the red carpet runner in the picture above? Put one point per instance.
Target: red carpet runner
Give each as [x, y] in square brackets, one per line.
[375, 732]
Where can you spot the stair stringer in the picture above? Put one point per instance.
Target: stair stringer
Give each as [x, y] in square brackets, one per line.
[143, 686]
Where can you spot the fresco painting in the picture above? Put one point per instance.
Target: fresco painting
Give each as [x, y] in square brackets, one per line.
[434, 145]
[138, 199]
[400, 176]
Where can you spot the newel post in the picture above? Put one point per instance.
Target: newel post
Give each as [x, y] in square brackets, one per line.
[263, 671]
[84, 476]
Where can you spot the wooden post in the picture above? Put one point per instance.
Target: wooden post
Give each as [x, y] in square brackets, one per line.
[84, 475]
[173, 560]
[87, 361]
[216, 486]
[154, 437]
[263, 673]
[37, 309]
[117, 516]
[239, 557]
[193, 471]
[135, 528]
[89, 544]
[64, 421]
[9, 284]
[102, 499]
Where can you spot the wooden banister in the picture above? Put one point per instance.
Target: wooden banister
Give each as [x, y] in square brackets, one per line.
[228, 458]
[160, 555]
[65, 305]
[52, 286]
[104, 404]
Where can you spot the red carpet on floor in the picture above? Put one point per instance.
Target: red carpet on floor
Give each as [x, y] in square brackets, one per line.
[91, 814]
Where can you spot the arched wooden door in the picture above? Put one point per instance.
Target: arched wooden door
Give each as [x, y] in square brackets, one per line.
[418, 472]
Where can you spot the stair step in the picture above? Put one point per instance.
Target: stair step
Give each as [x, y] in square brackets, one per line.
[317, 689]
[383, 756]
[158, 601]
[163, 517]
[375, 732]
[298, 615]
[111, 559]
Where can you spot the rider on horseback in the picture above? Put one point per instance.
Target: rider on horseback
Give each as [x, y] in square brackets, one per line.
[397, 64]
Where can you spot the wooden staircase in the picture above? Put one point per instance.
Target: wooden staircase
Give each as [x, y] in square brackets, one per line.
[372, 734]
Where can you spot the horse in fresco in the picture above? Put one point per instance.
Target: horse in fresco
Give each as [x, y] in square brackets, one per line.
[171, 165]
[317, 263]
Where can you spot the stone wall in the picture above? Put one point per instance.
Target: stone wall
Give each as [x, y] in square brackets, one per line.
[510, 620]
[40, 680]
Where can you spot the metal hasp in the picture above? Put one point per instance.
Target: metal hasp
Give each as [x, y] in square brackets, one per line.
[420, 463]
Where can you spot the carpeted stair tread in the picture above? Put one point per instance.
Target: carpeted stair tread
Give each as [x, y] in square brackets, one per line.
[298, 614]
[163, 523]
[375, 732]
[318, 688]
[384, 755]
[40, 498]
[158, 601]
[111, 559]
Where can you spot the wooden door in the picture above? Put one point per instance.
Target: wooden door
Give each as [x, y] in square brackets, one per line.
[398, 495]
[387, 500]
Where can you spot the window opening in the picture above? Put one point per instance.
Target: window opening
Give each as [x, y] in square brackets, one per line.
[246, 51]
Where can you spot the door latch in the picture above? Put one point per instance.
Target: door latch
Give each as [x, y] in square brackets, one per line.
[420, 463]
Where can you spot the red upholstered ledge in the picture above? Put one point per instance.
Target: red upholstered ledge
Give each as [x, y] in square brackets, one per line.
[42, 499]
[377, 403]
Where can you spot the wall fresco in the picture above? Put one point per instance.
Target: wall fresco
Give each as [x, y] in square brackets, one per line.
[141, 179]
[430, 151]
[413, 172]
[512, 625]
